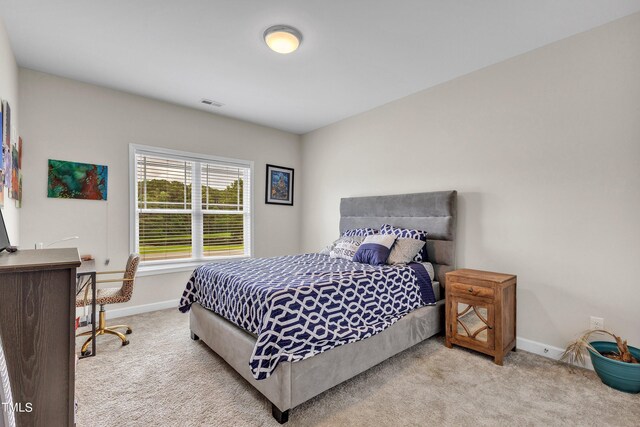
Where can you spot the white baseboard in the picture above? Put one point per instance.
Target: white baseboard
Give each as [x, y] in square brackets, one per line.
[114, 313]
[144, 308]
[544, 350]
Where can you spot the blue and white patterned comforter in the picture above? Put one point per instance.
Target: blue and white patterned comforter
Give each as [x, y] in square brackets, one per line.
[302, 305]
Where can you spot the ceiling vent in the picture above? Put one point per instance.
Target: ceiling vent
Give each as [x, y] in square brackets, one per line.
[211, 103]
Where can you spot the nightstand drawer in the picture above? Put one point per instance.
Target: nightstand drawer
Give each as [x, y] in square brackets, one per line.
[471, 290]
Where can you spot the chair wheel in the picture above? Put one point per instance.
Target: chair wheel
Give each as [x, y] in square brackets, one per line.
[85, 353]
[125, 343]
[129, 331]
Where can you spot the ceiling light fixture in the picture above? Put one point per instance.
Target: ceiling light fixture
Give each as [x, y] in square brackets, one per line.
[282, 38]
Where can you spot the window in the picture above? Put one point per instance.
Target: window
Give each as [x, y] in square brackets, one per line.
[189, 207]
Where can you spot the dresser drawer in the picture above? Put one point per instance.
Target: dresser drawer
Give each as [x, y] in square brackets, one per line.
[471, 290]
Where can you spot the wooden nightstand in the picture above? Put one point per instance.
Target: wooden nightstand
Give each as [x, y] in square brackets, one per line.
[481, 311]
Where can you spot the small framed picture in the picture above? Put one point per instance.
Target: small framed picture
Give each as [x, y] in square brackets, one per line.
[279, 185]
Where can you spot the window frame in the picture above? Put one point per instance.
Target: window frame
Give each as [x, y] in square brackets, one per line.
[197, 258]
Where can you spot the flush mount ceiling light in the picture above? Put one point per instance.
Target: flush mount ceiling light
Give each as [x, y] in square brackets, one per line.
[282, 38]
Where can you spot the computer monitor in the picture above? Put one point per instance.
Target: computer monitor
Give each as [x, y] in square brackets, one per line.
[4, 237]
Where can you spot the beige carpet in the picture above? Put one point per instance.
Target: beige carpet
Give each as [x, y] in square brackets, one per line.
[164, 379]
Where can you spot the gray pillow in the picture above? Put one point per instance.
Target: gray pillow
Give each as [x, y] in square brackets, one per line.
[404, 251]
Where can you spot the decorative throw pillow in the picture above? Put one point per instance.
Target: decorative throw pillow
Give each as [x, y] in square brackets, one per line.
[346, 247]
[408, 233]
[363, 232]
[375, 250]
[404, 251]
[327, 249]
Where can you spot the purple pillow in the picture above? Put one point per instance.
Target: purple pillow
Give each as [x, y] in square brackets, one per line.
[408, 233]
[360, 232]
[375, 250]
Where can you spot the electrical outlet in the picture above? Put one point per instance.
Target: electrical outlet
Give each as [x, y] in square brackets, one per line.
[597, 323]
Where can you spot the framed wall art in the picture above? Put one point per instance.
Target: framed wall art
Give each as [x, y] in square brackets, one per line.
[279, 185]
[72, 180]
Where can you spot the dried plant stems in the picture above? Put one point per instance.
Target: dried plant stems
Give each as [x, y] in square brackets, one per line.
[576, 351]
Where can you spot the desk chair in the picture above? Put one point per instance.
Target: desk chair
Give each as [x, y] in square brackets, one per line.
[111, 296]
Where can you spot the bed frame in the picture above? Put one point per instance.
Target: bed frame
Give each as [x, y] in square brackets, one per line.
[294, 383]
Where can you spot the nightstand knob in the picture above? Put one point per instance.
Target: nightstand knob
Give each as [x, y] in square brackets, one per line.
[470, 289]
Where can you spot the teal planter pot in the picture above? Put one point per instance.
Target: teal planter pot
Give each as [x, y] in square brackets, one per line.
[619, 375]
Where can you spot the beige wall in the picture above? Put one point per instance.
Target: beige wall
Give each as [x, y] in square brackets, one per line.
[68, 120]
[9, 92]
[544, 150]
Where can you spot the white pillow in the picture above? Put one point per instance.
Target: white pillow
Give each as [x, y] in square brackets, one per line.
[346, 247]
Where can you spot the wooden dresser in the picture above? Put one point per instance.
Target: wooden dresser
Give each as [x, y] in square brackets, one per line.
[481, 311]
[37, 312]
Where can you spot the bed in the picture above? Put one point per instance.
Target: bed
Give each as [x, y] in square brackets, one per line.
[286, 383]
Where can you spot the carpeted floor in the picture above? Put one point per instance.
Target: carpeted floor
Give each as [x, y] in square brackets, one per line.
[163, 378]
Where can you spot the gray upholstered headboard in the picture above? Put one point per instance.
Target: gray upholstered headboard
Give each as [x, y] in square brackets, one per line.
[433, 212]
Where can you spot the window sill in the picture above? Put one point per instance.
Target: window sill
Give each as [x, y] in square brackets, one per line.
[179, 267]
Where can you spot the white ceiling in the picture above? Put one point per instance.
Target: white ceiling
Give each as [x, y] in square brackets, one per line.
[356, 54]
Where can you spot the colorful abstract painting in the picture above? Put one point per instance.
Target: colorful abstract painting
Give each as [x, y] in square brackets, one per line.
[71, 180]
[19, 199]
[7, 123]
[1, 154]
[6, 147]
[15, 187]
[1, 132]
[7, 167]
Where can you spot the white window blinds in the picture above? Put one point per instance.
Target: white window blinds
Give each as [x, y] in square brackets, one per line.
[190, 208]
